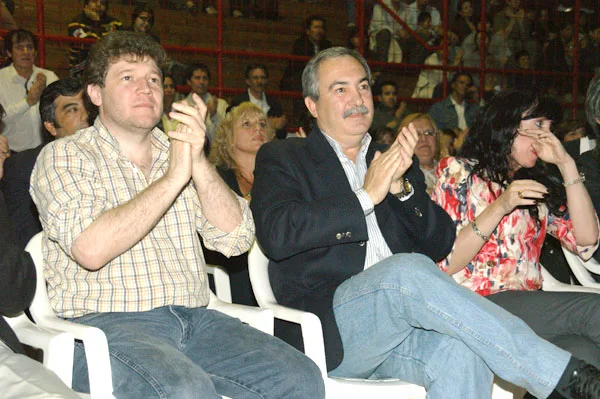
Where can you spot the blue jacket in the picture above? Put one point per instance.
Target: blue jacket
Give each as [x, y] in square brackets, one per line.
[445, 116]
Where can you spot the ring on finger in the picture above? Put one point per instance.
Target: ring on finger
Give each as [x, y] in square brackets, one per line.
[520, 193]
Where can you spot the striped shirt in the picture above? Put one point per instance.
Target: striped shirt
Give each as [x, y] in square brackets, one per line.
[76, 179]
[377, 248]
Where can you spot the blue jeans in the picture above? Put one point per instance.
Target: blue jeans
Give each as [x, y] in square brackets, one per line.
[176, 352]
[404, 318]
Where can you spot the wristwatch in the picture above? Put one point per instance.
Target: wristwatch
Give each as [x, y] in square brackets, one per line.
[406, 190]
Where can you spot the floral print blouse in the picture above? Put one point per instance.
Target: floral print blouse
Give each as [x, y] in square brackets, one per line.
[509, 260]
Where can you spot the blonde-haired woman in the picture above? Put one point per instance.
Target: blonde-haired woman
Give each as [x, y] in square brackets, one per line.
[239, 136]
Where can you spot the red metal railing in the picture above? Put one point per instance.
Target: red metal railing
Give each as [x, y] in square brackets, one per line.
[220, 51]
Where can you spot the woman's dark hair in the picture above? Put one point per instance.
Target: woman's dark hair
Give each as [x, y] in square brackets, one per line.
[490, 141]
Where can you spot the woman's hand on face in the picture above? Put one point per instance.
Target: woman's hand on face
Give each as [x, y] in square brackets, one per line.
[521, 193]
[547, 146]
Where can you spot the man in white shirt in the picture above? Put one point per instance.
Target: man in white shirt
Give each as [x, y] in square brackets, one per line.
[21, 85]
[198, 80]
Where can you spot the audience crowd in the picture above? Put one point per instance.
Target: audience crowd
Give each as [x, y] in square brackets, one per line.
[120, 168]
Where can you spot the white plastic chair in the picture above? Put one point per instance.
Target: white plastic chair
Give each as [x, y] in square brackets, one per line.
[314, 347]
[583, 269]
[58, 346]
[94, 340]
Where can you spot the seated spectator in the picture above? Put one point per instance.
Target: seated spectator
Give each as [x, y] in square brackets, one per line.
[503, 205]
[21, 85]
[455, 112]
[519, 81]
[590, 56]
[416, 52]
[388, 112]
[130, 262]
[412, 13]
[22, 377]
[198, 81]
[464, 24]
[7, 22]
[386, 34]
[351, 241]
[430, 78]
[555, 53]
[589, 162]
[257, 78]
[92, 23]
[170, 95]
[142, 20]
[510, 25]
[496, 53]
[64, 109]
[243, 131]
[427, 149]
[308, 44]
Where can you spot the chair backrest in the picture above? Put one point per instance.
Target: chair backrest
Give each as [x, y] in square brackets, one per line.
[258, 267]
[40, 307]
[581, 269]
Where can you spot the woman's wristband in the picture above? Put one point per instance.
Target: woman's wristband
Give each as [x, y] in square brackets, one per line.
[577, 180]
[479, 233]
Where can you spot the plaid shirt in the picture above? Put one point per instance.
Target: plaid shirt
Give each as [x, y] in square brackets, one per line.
[75, 180]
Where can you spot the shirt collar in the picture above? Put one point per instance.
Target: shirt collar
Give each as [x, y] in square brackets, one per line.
[111, 147]
[362, 153]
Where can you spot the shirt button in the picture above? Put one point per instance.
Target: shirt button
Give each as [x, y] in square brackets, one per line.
[418, 212]
[338, 236]
[362, 243]
[348, 234]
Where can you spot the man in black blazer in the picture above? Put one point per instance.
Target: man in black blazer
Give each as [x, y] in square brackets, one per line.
[257, 78]
[351, 232]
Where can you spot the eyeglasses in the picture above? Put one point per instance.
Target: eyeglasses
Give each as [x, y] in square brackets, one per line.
[427, 133]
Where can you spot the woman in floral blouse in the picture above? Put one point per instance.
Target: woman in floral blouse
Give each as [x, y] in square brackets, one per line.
[503, 206]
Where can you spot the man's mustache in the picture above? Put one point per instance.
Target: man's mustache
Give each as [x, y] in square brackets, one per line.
[361, 109]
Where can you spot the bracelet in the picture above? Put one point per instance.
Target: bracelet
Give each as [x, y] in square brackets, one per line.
[479, 233]
[580, 179]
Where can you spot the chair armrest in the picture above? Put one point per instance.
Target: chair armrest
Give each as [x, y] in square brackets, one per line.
[96, 353]
[551, 284]
[261, 319]
[312, 332]
[58, 347]
[222, 283]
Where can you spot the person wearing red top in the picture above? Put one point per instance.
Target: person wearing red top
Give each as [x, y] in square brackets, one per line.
[503, 203]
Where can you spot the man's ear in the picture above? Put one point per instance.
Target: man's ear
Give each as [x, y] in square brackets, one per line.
[50, 128]
[248, 82]
[311, 105]
[94, 94]
[597, 120]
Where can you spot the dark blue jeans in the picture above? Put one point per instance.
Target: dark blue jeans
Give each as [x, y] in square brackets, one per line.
[176, 352]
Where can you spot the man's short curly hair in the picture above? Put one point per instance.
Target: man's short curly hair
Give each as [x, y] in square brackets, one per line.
[115, 46]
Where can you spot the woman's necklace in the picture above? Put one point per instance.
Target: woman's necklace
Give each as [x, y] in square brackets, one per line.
[247, 195]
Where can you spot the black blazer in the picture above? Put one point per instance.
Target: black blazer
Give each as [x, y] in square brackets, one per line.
[312, 227]
[17, 285]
